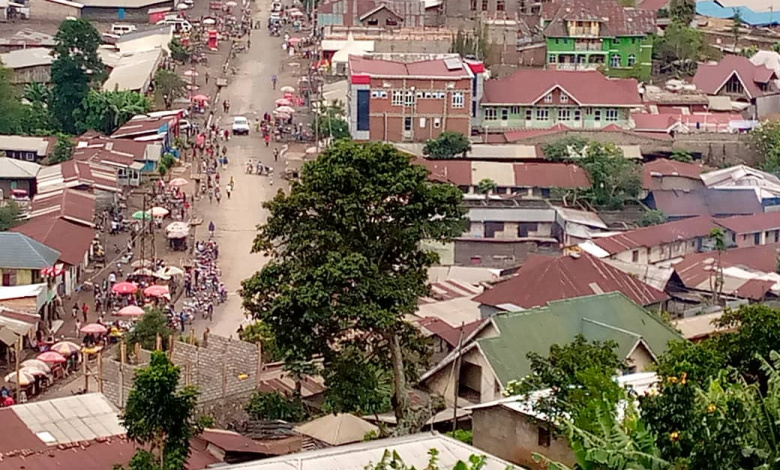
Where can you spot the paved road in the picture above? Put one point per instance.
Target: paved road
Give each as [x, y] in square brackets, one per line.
[236, 219]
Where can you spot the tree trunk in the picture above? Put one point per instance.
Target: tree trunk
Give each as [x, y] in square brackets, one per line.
[400, 395]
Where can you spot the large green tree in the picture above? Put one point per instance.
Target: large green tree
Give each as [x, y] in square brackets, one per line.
[448, 145]
[10, 107]
[168, 86]
[76, 68]
[346, 264]
[614, 178]
[682, 11]
[105, 111]
[160, 417]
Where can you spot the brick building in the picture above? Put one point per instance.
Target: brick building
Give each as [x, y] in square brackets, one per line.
[396, 101]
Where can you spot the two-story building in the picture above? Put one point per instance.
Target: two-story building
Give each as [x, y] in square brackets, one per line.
[583, 34]
[740, 80]
[396, 101]
[752, 230]
[22, 258]
[541, 99]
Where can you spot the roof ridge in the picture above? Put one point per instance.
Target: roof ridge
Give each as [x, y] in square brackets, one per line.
[611, 327]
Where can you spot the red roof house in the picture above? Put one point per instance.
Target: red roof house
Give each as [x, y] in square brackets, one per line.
[735, 76]
[756, 229]
[545, 279]
[670, 174]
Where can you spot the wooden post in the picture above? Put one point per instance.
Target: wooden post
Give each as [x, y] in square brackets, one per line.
[171, 342]
[457, 379]
[224, 376]
[138, 353]
[18, 355]
[192, 336]
[100, 371]
[86, 374]
[158, 342]
[260, 365]
[122, 359]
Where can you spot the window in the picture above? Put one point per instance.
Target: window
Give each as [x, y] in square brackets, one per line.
[500, 5]
[419, 95]
[631, 60]
[548, 98]
[492, 227]
[614, 61]
[543, 439]
[458, 99]
[577, 115]
[542, 114]
[409, 101]
[378, 94]
[597, 115]
[777, 236]
[514, 110]
[473, 5]
[422, 123]
[504, 114]
[398, 98]
[552, 58]
[391, 22]
[529, 114]
[428, 95]
[490, 114]
[564, 98]
[635, 256]
[484, 5]
[437, 122]
[564, 114]
[372, 22]
[612, 115]
[757, 238]
[524, 229]
[408, 124]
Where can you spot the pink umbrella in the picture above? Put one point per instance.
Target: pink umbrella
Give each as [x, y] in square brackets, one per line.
[124, 288]
[156, 291]
[200, 98]
[190, 73]
[94, 328]
[283, 116]
[51, 357]
[131, 311]
[288, 95]
[283, 102]
[285, 110]
[178, 182]
[294, 40]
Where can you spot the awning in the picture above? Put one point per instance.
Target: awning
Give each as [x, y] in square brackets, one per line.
[19, 327]
[719, 103]
[137, 166]
[8, 337]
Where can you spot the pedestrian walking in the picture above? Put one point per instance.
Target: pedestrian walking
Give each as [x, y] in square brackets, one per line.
[207, 78]
[228, 190]
[75, 310]
[273, 81]
[211, 229]
[218, 196]
[78, 327]
[84, 311]
[276, 154]
[267, 139]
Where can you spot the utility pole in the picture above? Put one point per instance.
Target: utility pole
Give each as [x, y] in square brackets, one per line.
[456, 366]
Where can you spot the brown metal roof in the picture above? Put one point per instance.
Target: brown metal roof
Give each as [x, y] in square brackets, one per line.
[752, 223]
[615, 20]
[694, 269]
[656, 235]
[430, 69]
[70, 239]
[16, 436]
[230, 441]
[711, 78]
[545, 279]
[550, 175]
[664, 167]
[70, 204]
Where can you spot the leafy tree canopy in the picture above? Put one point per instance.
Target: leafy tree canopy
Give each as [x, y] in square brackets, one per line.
[152, 323]
[274, 405]
[168, 86]
[106, 111]
[346, 261]
[651, 217]
[63, 151]
[448, 145]
[682, 11]
[681, 156]
[614, 179]
[564, 149]
[10, 105]
[9, 216]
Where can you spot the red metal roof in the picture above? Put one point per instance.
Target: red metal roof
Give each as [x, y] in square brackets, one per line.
[429, 69]
[664, 167]
[70, 204]
[550, 175]
[450, 334]
[614, 19]
[457, 172]
[711, 78]
[230, 441]
[545, 279]
[657, 235]
[752, 223]
[586, 88]
[16, 436]
[710, 201]
[71, 240]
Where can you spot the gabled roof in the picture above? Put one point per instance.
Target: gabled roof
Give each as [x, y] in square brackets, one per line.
[451, 68]
[521, 175]
[74, 174]
[614, 19]
[707, 201]
[528, 86]
[606, 317]
[69, 204]
[336, 430]
[11, 168]
[741, 176]
[18, 251]
[656, 235]
[752, 223]
[711, 78]
[663, 167]
[70, 239]
[544, 279]
[30, 57]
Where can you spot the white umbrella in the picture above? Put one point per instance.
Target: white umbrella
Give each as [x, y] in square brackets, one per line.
[287, 89]
[282, 115]
[285, 110]
[190, 73]
[36, 364]
[231, 4]
[283, 102]
[182, 6]
[311, 150]
[210, 21]
[25, 378]
[170, 271]
[159, 211]
[177, 227]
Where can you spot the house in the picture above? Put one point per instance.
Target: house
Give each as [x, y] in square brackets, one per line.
[336, 430]
[766, 185]
[395, 101]
[54, 10]
[31, 65]
[389, 14]
[681, 204]
[74, 174]
[413, 449]
[85, 432]
[133, 71]
[586, 35]
[442, 336]
[457, 12]
[541, 99]
[747, 273]
[521, 180]
[650, 245]
[514, 429]
[509, 219]
[162, 126]
[25, 39]
[17, 175]
[31, 149]
[33, 301]
[751, 230]
[497, 352]
[145, 38]
[663, 174]
[22, 258]
[573, 226]
[543, 279]
[123, 159]
[124, 10]
[740, 80]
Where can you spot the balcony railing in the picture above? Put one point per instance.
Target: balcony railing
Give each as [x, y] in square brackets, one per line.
[588, 47]
[573, 66]
[575, 31]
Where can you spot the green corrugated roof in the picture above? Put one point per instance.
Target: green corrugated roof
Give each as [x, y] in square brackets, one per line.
[598, 318]
[18, 251]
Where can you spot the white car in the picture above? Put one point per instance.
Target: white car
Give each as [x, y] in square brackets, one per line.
[240, 125]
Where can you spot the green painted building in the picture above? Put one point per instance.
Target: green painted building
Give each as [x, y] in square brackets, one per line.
[598, 34]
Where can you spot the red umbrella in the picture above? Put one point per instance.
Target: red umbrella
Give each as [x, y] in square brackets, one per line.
[94, 328]
[124, 288]
[156, 291]
[200, 98]
[131, 311]
[51, 357]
